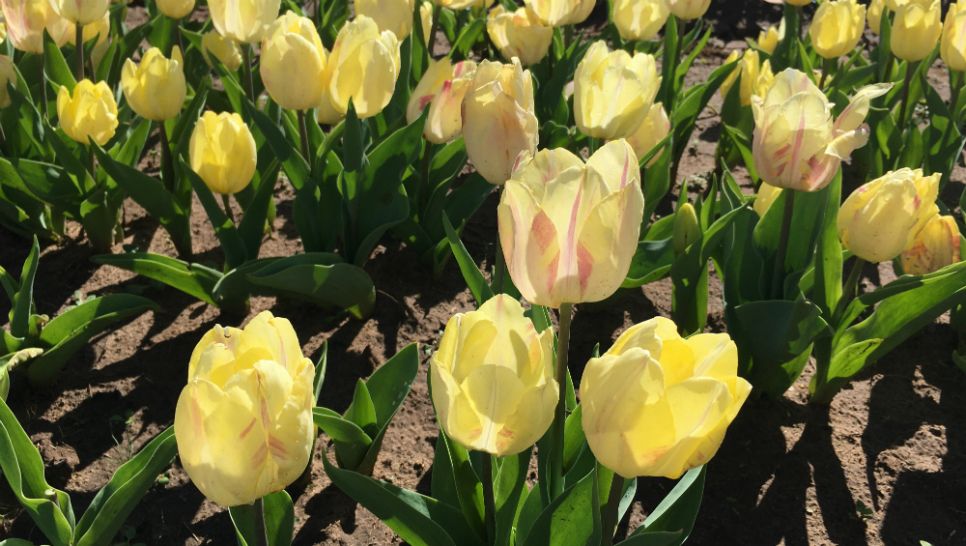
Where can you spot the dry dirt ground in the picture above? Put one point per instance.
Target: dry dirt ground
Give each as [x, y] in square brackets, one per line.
[885, 463]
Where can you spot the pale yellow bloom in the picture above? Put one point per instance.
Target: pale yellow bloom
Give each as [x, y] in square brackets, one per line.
[916, 30]
[650, 133]
[89, 113]
[953, 46]
[26, 21]
[766, 197]
[176, 9]
[395, 16]
[689, 9]
[558, 13]
[934, 247]
[464, 4]
[155, 88]
[81, 12]
[874, 15]
[639, 19]
[222, 152]
[519, 34]
[224, 49]
[837, 27]
[244, 21]
[442, 89]
[292, 46]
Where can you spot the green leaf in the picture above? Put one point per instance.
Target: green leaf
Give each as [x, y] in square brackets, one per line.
[656, 538]
[509, 481]
[340, 429]
[679, 509]
[58, 72]
[319, 278]
[193, 279]
[279, 520]
[455, 482]
[571, 519]
[232, 244]
[23, 304]
[471, 273]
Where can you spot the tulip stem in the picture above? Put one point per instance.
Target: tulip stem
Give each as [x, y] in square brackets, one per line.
[850, 289]
[610, 517]
[167, 165]
[489, 503]
[43, 88]
[955, 81]
[79, 51]
[261, 533]
[249, 73]
[910, 69]
[828, 65]
[778, 277]
[226, 202]
[499, 265]
[560, 420]
[304, 135]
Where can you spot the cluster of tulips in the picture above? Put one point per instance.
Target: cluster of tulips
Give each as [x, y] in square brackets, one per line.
[373, 124]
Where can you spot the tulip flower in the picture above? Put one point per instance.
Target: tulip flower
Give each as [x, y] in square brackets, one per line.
[558, 13]
[756, 78]
[656, 404]
[243, 422]
[874, 15]
[81, 12]
[395, 16]
[493, 383]
[8, 76]
[464, 4]
[222, 152]
[640, 19]
[613, 91]
[3, 32]
[953, 45]
[176, 9]
[519, 34]
[426, 20]
[442, 89]
[155, 88]
[499, 122]
[686, 229]
[363, 68]
[89, 113]
[766, 197]
[650, 133]
[797, 145]
[101, 30]
[244, 21]
[688, 9]
[292, 46]
[797, 3]
[933, 248]
[224, 49]
[569, 230]
[769, 38]
[837, 28]
[916, 30]
[881, 218]
[26, 21]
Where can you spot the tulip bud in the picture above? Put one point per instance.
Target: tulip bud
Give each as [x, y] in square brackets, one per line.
[292, 46]
[769, 38]
[933, 248]
[176, 9]
[558, 13]
[81, 12]
[442, 88]
[640, 19]
[650, 133]
[8, 76]
[27, 20]
[464, 4]
[656, 404]
[89, 113]
[426, 20]
[569, 230]
[797, 144]
[224, 49]
[916, 30]
[687, 229]
[222, 152]
[500, 396]
[244, 21]
[953, 46]
[395, 16]
[155, 88]
[363, 68]
[881, 218]
[613, 91]
[756, 77]
[688, 9]
[244, 420]
[767, 195]
[519, 34]
[874, 15]
[837, 28]
[499, 122]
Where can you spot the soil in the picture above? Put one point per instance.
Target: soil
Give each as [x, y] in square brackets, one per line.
[885, 463]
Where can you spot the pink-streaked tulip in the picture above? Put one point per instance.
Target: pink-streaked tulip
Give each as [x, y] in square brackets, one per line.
[26, 21]
[442, 89]
[933, 248]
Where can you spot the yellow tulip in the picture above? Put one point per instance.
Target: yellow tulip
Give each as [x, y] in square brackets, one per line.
[292, 46]
[464, 4]
[426, 20]
[3, 32]
[26, 21]
[837, 28]
[493, 383]
[395, 16]
[499, 122]
[81, 12]
[176, 9]
[689, 9]
[650, 133]
[767, 195]
[933, 248]
[896, 5]
[8, 76]
[613, 91]
[224, 49]
[881, 218]
[100, 29]
[756, 78]
[89, 113]
[222, 152]
[639, 19]
[155, 88]
[874, 15]
[442, 89]
[569, 230]
[656, 404]
[244, 420]
[790, 2]
[244, 21]
[797, 144]
[519, 34]
[916, 30]
[363, 68]
[769, 38]
[558, 13]
[953, 46]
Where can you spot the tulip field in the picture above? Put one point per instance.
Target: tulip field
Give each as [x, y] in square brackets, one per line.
[482, 272]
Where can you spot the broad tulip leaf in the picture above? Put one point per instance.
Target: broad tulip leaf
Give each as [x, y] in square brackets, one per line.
[23, 304]
[16, 542]
[685, 115]
[656, 538]
[56, 67]
[468, 36]
[195, 280]
[574, 439]
[652, 262]
[455, 483]
[340, 429]
[509, 481]
[131, 143]
[231, 241]
[679, 509]
[471, 273]
[319, 278]
[279, 521]
[566, 522]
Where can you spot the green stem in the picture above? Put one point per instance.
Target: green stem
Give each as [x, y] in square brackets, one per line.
[828, 66]
[304, 136]
[489, 502]
[499, 267]
[79, 51]
[955, 81]
[261, 533]
[778, 276]
[560, 419]
[610, 518]
[910, 69]
[226, 202]
[849, 290]
[167, 164]
[249, 76]
[44, 110]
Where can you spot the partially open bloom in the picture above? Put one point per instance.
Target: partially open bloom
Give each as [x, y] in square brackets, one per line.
[244, 21]
[176, 9]
[933, 248]
[756, 78]
[442, 89]
[650, 133]
[874, 15]
[222, 152]
[656, 404]
[155, 88]
[768, 39]
[837, 27]
[613, 91]
[493, 382]
[519, 34]
[569, 230]
[689, 9]
[26, 21]
[881, 218]
[244, 420]
[81, 12]
[395, 16]
[89, 113]
[224, 49]
[916, 30]
[363, 68]
[640, 19]
[499, 122]
[8, 76]
[292, 46]
[953, 46]
[797, 144]
[558, 13]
